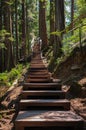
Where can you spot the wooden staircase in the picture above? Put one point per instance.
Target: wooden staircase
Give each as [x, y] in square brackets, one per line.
[43, 105]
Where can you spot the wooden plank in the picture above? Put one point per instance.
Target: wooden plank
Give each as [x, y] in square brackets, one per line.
[38, 80]
[38, 76]
[41, 86]
[42, 104]
[43, 94]
[49, 118]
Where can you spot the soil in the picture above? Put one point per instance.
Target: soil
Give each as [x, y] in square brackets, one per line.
[72, 73]
[9, 107]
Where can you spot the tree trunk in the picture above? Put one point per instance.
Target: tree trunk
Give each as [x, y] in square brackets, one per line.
[60, 18]
[23, 30]
[0, 30]
[72, 14]
[16, 28]
[60, 25]
[8, 58]
[42, 23]
[27, 28]
[52, 21]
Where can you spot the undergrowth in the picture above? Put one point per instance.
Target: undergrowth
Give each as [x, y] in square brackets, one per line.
[7, 78]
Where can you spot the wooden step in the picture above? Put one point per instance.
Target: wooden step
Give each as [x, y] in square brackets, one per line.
[41, 86]
[38, 76]
[36, 59]
[36, 62]
[48, 119]
[43, 94]
[37, 68]
[50, 104]
[42, 70]
[38, 80]
[40, 73]
[32, 64]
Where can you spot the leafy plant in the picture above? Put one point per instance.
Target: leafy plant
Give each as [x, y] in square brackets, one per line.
[7, 78]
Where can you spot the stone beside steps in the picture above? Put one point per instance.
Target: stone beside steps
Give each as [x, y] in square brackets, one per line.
[43, 105]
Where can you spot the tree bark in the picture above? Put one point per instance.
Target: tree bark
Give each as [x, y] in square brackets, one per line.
[42, 23]
[8, 57]
[72, 14]
[23, 30]
[52, 21]
[60, 25]
[0, 30]
[16, 28]
[27, 28]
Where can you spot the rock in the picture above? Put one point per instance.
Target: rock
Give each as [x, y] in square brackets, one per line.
[57, 80]
[75, 67]
[84, 92]
[75, 89]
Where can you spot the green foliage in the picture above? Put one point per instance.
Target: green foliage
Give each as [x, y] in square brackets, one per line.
[4, 78]
[81, 4]
[3, 34]
[11, 39]
[59, 60]
[2, 46]
[0, 116]
[7, 78]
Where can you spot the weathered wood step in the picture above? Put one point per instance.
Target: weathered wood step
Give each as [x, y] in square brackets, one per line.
[36, 59]
[39, 80]
[48, 119]
[36, 62]
[38, 76]
[42, 104]
[38, 70]
[41, 86]
[39, 64]
[33, 65]
[43, 94]
[39, 73]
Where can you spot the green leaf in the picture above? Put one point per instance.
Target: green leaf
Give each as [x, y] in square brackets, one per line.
[11, 39]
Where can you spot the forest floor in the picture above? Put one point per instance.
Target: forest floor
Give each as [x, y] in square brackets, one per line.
[72, 73]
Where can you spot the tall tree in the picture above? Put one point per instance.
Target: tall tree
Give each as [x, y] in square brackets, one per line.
[0, 30]
[23, 29]
[52, 20]
[60, 25]
[8, 59]
[60, 18]
[72, 13]
[42, 23]
[27, 28]
[16, 28]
